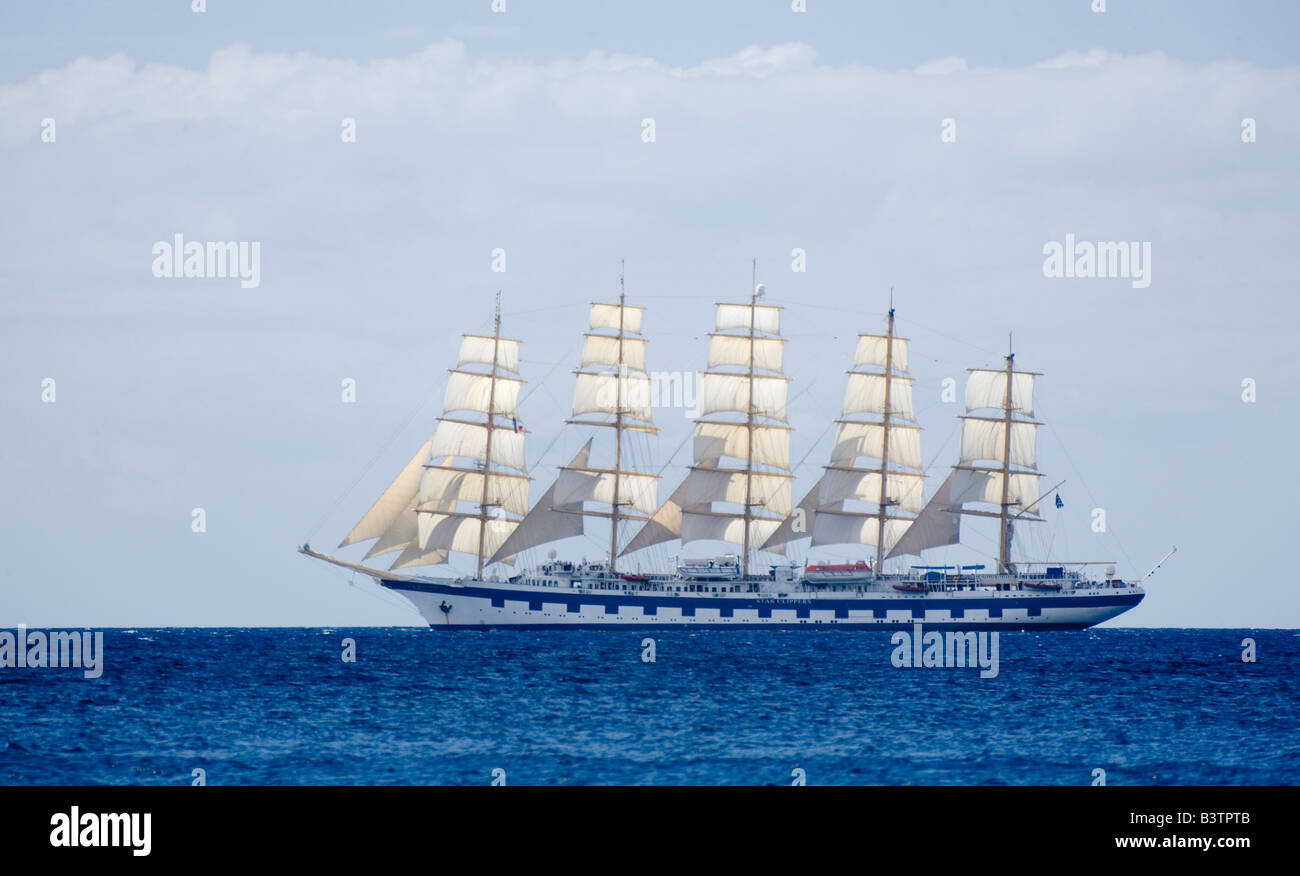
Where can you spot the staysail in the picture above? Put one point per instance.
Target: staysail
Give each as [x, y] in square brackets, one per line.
[467, 487]
[611, 390]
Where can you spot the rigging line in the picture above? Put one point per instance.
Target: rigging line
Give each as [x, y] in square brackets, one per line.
[540, 309]
[381, 595]
[991, 353]
[664, 468]
[942, 447]
[905, 321]
[536, 465]
[1095, 503]
[538, 384]
[801, 393]
[813, 446]
[391, 438]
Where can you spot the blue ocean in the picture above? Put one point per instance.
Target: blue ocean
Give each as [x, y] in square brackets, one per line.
[733, 707]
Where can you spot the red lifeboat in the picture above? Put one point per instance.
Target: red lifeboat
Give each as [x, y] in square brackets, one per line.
[837, 573]
[859, 566]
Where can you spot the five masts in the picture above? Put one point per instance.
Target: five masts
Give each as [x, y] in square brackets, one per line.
[467, 488]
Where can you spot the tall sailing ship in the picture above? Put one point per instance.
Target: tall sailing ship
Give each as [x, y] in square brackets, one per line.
[466, 492]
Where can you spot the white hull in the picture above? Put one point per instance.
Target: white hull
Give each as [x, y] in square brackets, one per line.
[473, 604]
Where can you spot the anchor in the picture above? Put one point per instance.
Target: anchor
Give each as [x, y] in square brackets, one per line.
[446, 609]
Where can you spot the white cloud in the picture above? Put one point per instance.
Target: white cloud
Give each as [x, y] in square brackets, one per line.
[941, 66]
[375, 254]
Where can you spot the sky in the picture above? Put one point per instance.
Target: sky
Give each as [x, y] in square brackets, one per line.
[932, 148]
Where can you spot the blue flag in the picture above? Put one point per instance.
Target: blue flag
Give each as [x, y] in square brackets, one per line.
[516, 425]
[1059, 503]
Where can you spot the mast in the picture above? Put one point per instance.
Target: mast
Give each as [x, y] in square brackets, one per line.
[1004, 542]
[618, 427]
[998, 465]
[749, 422]
[877, 424]
[884, 440]
[611, 391]
[439, 504]
[742, 458]
[487, 453]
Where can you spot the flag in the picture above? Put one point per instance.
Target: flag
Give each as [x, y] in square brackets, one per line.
[515, 421]
[1059, 503]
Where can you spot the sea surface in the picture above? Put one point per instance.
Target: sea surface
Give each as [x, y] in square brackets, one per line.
[720, 707]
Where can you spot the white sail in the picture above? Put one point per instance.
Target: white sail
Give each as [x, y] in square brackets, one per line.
[735, 350]
[978, 485]
[442, 484]
[460, 532]
[798, 523]
[985, 439]
[769, 490]
[414, 556]
[403, 531]
[731, 392]
[469, 440]
[689, 513]
[715, 439]
[708, 527]
[935, 526]
[665, 525]
[602, 392]
[988, 389]
[873, 348]
[396, 499]
[855, 439]
[468, 391]
[403, 535]
[478, 349]
[843, 528]
[576, 485]
[606, 316]
[766, 318]
[865, 394]
[548, 520]
[606, 350]
[901, 488]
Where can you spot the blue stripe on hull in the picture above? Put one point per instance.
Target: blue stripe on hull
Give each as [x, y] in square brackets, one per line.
[882, 627]
[727, 606]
